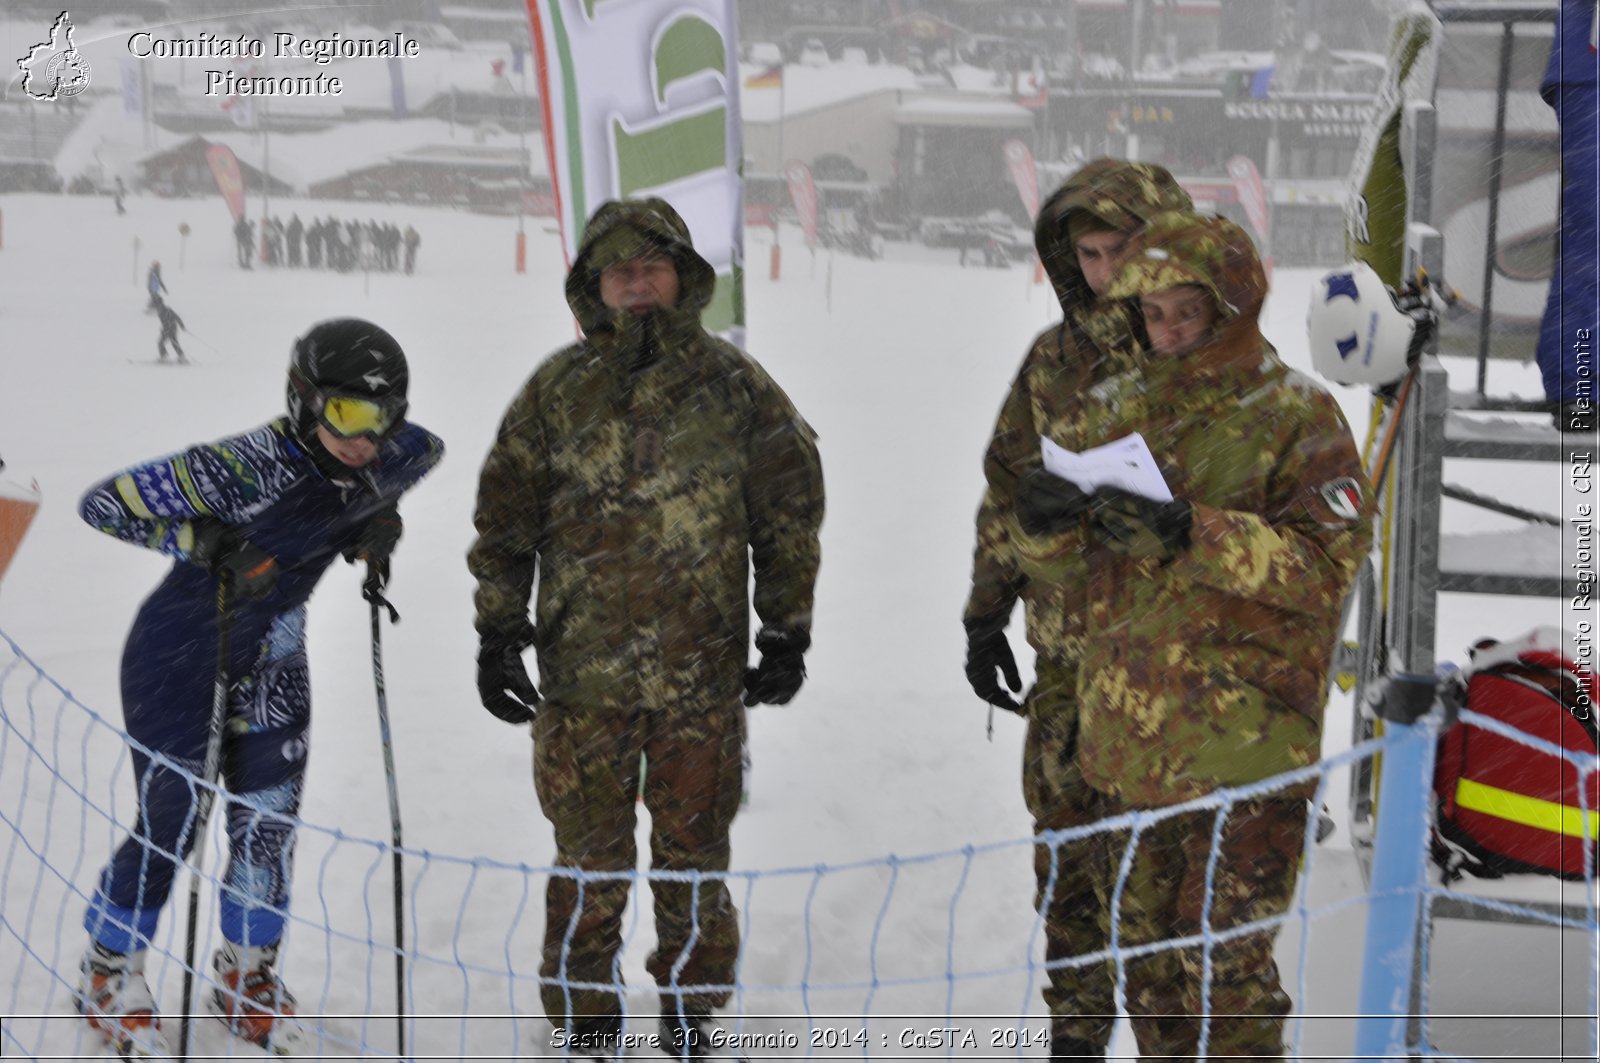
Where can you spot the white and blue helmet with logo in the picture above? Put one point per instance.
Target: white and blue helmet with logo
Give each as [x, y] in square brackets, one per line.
[1358, 334]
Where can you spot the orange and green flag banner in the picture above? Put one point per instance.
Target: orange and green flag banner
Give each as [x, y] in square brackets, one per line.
[639, 98]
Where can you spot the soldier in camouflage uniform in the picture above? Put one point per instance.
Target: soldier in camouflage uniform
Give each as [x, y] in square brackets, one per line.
[1210, 623]
[642, 471]
[1080, 235]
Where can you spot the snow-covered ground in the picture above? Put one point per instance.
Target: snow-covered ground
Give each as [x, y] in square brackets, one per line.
[899, 364]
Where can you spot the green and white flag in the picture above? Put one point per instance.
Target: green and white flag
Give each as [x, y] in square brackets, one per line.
[640, 97]
[1380, 192]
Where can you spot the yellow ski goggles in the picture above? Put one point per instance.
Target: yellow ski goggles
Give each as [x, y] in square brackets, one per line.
[352, 416]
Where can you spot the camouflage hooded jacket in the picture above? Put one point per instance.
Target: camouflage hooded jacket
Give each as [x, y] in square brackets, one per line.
[1047, 398]
[638, 474]
[1211, 669]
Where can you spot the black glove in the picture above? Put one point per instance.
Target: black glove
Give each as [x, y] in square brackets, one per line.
[222, 551]
[376, 542]
[503, 683]
[1136, 526]
[1046, 503]
[988, 651]
[777, 678]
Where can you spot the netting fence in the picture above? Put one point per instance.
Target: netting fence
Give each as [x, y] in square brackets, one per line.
[933, 955]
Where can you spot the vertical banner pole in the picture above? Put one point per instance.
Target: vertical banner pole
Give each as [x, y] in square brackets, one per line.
[1399, 872]
[665, 123]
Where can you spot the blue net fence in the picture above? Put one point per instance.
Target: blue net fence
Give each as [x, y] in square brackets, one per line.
[936, 955]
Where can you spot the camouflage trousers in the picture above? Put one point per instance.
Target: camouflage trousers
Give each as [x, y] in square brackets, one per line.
[1069, 875]
[586, 773]
[1164, 898]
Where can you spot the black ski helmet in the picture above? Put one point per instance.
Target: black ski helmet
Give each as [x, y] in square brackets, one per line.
[347, 356]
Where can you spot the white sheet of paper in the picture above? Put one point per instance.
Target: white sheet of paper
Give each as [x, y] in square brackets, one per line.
[1126, 463]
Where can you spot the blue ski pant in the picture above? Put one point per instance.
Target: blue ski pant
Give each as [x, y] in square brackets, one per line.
[167, 703]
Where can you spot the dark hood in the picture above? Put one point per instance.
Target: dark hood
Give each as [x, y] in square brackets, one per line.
[1123, 195]
[1214, 253]
[657, 223]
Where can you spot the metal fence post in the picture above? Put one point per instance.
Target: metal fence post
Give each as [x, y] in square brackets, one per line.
[1390, 961]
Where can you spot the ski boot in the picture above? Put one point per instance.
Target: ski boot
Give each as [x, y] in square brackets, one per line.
[115, 999]
[1065, 1048]
[597, 1037]
[251, 999]
[686, 1032]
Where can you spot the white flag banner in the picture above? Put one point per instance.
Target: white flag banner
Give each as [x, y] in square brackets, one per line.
[640, 98]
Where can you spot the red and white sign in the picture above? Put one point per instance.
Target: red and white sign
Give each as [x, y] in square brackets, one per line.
[1032, 89]
[1252, 195]
[225, 168]
[1019, 160]
[18, 504]
[803, 190]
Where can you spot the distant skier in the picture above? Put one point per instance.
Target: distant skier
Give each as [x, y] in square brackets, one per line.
[413, 241]
[295, 233]
[116, 196]
[170, 324]
[314, 244]
[155, 286]
[272, 233]
[244, 240]
[335, 252]
[263, 514]
[354, 244]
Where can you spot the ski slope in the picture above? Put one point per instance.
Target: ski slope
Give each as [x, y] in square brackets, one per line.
[899, 364]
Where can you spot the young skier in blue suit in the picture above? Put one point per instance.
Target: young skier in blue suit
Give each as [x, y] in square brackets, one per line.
[266, 513]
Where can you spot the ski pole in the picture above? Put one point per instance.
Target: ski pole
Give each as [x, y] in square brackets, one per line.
[199, 340]
[372, 591]
[1386, 449]
[213, 761]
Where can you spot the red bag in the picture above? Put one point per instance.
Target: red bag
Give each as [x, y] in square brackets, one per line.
[1502, 807]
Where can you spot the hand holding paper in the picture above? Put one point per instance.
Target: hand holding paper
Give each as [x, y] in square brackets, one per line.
[1126, 464]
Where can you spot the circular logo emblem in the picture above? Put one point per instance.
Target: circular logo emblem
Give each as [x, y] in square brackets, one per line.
[68, 72]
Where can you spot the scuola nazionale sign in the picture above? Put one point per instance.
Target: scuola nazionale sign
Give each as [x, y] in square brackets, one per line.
[1314, 118]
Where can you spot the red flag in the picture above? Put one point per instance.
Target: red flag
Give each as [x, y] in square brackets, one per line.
[1253, 197]
[18, 505]
[1020, 161]
[803, 190]
[225, 168]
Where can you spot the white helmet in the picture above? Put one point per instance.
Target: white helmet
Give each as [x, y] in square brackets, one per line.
[1358, 334]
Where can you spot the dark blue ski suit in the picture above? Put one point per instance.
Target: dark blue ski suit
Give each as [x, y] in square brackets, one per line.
[1572, 86]
[266, 485]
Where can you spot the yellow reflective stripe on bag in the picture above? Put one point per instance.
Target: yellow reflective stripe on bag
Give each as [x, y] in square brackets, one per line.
[1529, 811]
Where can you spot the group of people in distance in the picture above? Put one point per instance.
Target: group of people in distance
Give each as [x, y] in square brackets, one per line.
[643, 472]
[327, 244]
